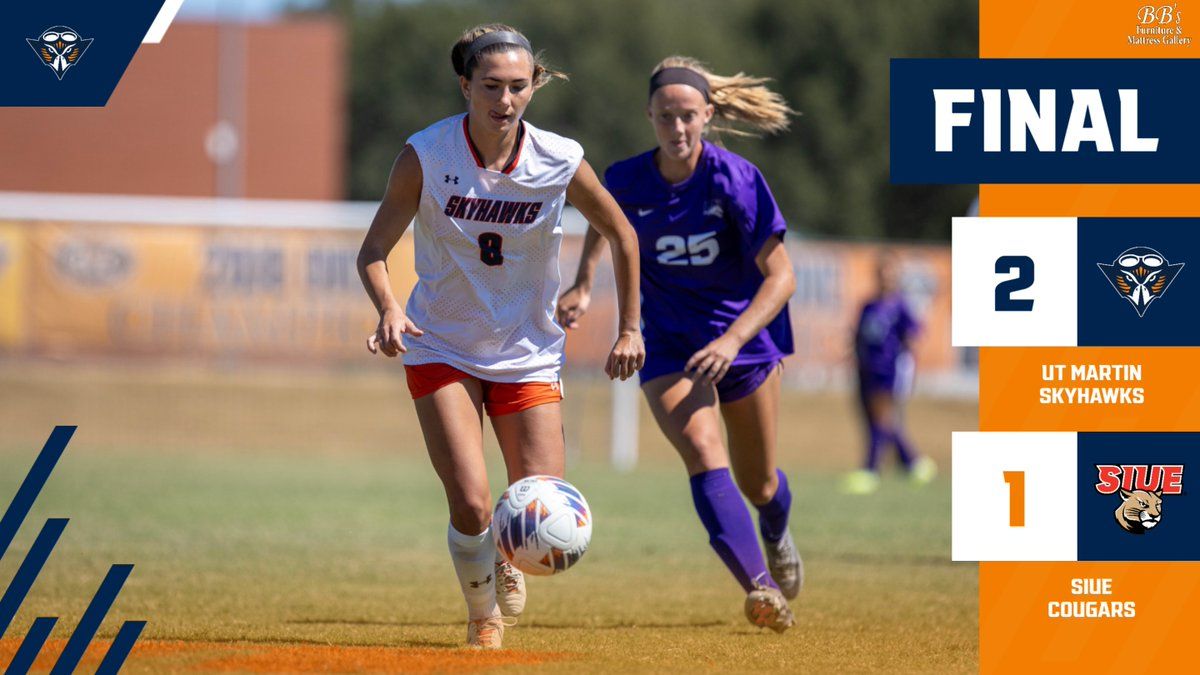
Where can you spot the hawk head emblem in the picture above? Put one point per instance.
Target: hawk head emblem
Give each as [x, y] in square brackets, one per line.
[1141, 275]
[59, 48]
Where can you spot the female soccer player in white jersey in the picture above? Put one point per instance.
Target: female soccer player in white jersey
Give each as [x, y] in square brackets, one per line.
[478, 334]
[716, 279]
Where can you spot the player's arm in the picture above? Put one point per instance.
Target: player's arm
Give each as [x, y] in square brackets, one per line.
[911, 328]
[853, 344]
[573, 303]
[601, 210]
[396, 211]
[779, 282]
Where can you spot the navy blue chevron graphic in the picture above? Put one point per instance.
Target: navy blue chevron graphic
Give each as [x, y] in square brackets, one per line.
[32, 486]
[31, 567]
[31, 645]
[27, 574]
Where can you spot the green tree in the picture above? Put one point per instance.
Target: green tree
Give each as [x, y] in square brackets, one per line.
[830, 60]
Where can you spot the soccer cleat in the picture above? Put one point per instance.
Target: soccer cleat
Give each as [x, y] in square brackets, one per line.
[488, 632]
[767, 608]
[861, 482]
[922, 471]
[510, 589]
[785, 565]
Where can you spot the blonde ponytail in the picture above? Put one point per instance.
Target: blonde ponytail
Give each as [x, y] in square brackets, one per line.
[738, 100]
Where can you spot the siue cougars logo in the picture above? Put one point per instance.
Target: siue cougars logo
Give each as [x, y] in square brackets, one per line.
[59, 48]
[1141, 488]
[1141, 275]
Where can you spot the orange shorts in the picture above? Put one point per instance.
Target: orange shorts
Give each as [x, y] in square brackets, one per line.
[499, 398]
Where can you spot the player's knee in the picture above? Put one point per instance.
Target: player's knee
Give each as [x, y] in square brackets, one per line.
[704, 453]
[470, 514]
[758, 488]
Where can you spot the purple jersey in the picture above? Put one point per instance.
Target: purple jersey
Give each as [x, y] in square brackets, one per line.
[698, 240]
[884, 329]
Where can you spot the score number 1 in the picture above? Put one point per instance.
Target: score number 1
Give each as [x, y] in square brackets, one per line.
[1016, 497]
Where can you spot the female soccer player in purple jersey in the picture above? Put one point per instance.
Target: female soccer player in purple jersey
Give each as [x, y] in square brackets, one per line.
[885, 370]
[716, 279]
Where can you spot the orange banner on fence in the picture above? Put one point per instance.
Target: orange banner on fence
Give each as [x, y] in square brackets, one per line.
[199, 291]
[12, 286]
[1089, 389]
[85, 289]
[1088, 617]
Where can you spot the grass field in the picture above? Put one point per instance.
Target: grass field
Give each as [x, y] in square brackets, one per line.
[291, 523]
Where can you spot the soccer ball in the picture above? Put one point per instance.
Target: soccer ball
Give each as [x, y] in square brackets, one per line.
[542, 525]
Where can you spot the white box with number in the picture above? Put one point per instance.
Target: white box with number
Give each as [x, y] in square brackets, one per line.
[983, 501]
[1014, 282]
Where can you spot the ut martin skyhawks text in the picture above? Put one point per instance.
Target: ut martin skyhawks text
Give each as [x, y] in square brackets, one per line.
[1090, 395]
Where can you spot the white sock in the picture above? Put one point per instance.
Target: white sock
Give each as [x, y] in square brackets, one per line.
[474, 557]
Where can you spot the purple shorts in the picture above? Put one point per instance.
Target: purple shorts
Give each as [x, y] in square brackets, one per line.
[739, 381]
[897, 381]
[872, 382]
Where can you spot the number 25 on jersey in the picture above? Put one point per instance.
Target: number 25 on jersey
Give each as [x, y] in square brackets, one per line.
[697, 249]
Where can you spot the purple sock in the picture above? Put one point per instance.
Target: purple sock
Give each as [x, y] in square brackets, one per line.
[730, 530]
[903, 447]
[874, 446]
[773, 516]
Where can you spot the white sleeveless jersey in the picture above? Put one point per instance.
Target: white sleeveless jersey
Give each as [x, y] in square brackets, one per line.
[486, 245]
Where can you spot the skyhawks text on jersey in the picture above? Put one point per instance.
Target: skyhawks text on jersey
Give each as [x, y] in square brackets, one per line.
[492, 210]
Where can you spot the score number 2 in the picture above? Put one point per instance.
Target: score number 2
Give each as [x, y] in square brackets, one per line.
[1023, 264]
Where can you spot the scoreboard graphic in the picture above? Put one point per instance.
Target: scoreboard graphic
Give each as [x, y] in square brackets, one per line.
[1063, 496]
[1095, 316]
[1079, 283]
[1075, 282]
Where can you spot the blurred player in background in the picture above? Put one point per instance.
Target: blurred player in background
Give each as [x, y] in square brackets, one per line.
[487, 190]
[716, 279]
[882, 349]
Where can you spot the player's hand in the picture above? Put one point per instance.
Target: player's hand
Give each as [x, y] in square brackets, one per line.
[572, 305]
[713, 361]
[392, 324]
[627, 356]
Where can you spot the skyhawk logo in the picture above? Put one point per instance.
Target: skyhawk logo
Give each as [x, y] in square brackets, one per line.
[1141, 275]
[59, 48]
